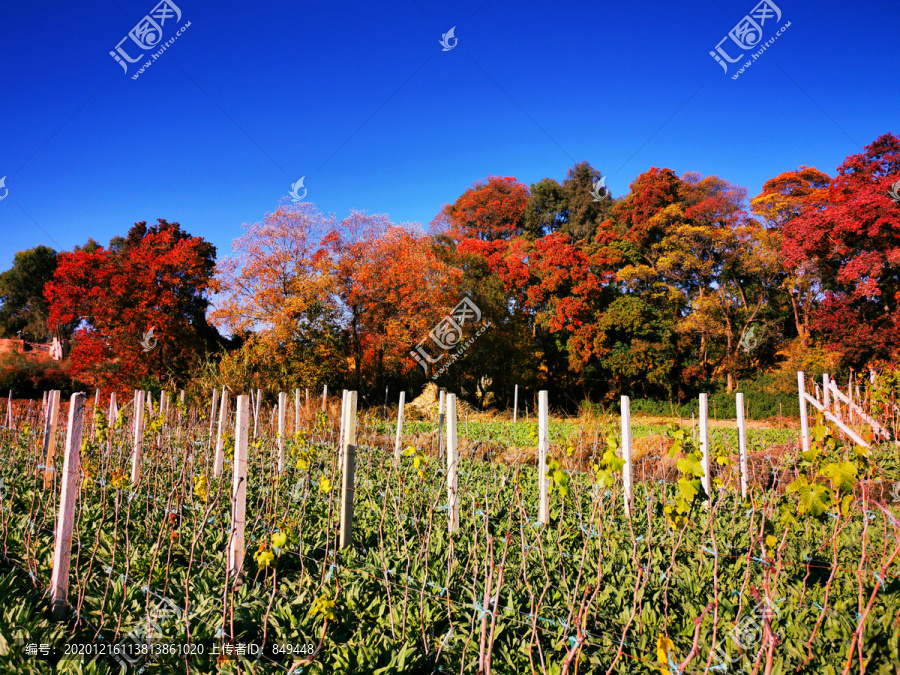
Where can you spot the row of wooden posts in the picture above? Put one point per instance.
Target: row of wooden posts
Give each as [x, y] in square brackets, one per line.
[447, 415]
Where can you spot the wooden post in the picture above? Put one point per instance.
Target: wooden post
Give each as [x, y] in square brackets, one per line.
[50, 437]
[804, 421]
[442, 402]
[826, 392]
[149, 403]
[138, 436]
[348, 452]
[45, 404]
[704, 444]
[111, 420]
[219, 462]
[452, 466]
[256, 416]
[297, 410]
[70, 479]
[180, 418]
[399, 440]
[628, 470]
[239, 489]
[307, 399]
[543, 449]
[282, 409]
[324, 396]
[9, 419]
[341, 426]
[742, 443]
[515, 403]
[212, 413]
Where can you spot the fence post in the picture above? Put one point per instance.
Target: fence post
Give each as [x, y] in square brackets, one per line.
[452, 466]
[348, 451]
[256, 416]
[219, 461]
[628, 471]
[50, 437]
[297, 409]
[70, 479]
[742, 443]
[515, 403]
[282, 410]
[543, 448]
[324, 396]
[111, 420]
[9, 419]
[341, 427]
[180, 417]
[442, 407]
[212, 412]
[138, 436]
[239, 490]
[804, 421]
[399, 440]
[704, 445]
[826, 392]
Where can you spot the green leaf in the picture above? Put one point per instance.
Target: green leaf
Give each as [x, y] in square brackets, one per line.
[690, 466]
[815, 499]
[841, 474]
[688, 488]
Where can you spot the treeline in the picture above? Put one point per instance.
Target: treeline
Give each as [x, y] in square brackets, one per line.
[681, 285]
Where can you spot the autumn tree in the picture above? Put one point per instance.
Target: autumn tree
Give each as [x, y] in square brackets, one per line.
[277, 290]
[782, 200]
[392, 289]
[157, 280]
[852, 240]
[489, 210]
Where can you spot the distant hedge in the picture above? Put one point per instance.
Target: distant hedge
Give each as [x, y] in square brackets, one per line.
[758, 406]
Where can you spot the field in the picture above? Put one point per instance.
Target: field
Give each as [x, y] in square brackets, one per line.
[799, 577]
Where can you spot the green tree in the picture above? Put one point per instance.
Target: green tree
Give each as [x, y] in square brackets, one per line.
[24, 308]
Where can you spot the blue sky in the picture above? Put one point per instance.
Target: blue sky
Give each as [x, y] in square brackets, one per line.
[361, 100]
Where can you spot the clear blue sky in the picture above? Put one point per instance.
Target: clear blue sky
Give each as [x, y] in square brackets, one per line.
[361, 100]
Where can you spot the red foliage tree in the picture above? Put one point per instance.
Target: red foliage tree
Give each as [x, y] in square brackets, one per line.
[155, 278]
[853, 242]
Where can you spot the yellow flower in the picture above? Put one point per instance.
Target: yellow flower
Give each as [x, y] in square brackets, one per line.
[324, 485]
[279, 539]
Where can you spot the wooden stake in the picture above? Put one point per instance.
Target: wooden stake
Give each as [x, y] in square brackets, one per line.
[282, 410]
[138, 436]
[543, 449]
[297, 410]
[219, 462]
[324, 396]
[442, 403]
[341, 432]
[628, 469]
[399, 440]
[111, 420]
[742, 443]
[826, 392]
[212, 413]
[804, 421]
[256, 416]
[452, 466]
[239, 489]
[50, 437]
[348, 451]
[9, 411]
[704, 445]
[515, 403]
[70, 479]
